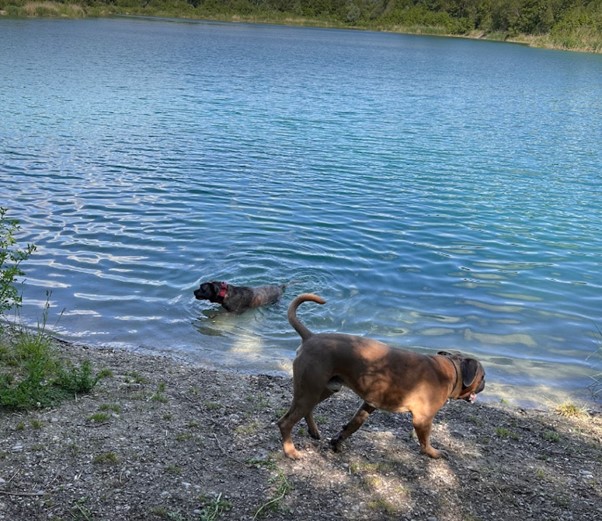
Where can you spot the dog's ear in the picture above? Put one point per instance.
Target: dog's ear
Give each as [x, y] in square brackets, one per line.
[450, 354]
[469, 368]
[214, 288]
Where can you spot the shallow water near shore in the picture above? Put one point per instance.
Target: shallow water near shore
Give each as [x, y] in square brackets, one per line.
[439, 193]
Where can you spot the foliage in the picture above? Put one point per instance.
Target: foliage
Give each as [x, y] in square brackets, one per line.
[76, 380]
[32, 375]
[579, 24]
[214, 507]
[11, 257]
[283, 488]
[574, 24]
[570, 410]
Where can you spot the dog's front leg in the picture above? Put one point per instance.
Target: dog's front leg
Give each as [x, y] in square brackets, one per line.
[356, 422]
[423, 426]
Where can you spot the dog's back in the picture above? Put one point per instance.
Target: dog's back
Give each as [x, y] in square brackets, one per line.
[265, 295]
[241, 298]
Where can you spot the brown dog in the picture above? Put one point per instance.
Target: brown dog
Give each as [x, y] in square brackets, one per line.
[384, 377]
[238, 298]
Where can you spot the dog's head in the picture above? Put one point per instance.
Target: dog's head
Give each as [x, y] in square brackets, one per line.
[211, 291]
[470, 372]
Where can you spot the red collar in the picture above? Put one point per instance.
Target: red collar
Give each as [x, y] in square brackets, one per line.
[223, 290]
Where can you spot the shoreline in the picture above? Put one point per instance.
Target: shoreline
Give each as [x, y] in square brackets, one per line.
[161, 439]
[540, 396]
[55, 10]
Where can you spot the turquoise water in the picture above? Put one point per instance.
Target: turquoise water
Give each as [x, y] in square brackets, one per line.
[439, 193]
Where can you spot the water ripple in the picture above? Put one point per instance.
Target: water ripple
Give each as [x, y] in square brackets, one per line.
[434, 206]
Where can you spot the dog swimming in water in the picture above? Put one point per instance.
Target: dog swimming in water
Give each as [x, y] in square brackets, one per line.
[238, 299]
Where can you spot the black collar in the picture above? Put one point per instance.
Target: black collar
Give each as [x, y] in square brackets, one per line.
[458, 383]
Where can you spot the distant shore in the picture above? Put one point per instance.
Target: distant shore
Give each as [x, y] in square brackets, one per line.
[185, 11]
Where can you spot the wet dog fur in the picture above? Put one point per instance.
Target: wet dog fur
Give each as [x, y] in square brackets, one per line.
[238, 299]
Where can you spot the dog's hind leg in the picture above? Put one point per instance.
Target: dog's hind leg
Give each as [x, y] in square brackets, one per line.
[286, 424]
[300, 408]
[309, 418]
[356, 422]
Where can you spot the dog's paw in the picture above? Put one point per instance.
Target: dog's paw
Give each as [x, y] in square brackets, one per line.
[443, 454]
[434, 453]
[335, 444]
[293, 454]
[312, 428]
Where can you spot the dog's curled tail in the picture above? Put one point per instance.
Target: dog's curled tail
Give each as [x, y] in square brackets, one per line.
[304, 333]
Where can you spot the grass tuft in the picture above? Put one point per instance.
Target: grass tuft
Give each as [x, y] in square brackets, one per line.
[213, 507]
[283, 488]
[570, 410]
[33, 376]
[106, 458]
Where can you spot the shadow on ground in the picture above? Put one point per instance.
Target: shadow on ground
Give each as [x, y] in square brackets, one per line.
[159, 440]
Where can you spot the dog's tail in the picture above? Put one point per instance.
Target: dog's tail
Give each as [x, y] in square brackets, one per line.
[292, 313]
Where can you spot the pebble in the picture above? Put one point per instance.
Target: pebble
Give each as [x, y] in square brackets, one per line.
[17, 448]
[586, 474]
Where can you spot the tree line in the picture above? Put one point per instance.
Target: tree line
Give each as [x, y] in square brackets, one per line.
[558, 23]
[566, 21]
[456, 16]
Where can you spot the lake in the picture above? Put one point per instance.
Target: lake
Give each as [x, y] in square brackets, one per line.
[439, 193]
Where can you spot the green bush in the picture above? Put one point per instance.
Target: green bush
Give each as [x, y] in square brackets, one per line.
[32, 375]
[77, 380]
[26, 363]
[11, 257]
[580, 28]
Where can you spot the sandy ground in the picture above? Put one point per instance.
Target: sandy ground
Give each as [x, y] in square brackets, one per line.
[160, 439]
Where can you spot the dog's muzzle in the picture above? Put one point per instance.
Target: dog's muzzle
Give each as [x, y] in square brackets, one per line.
[472, 396]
